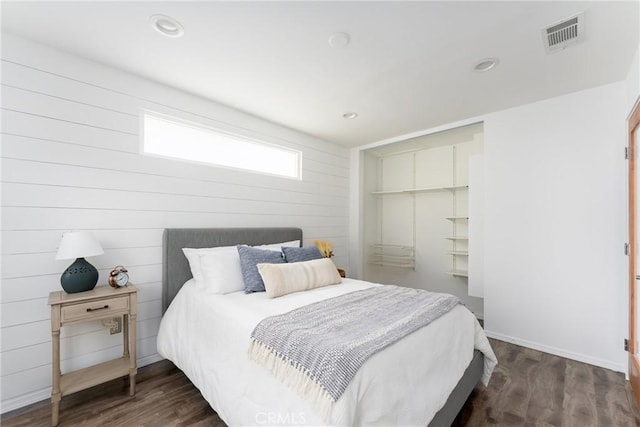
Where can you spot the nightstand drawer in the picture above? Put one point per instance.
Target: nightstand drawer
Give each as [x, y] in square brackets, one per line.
[94, 309]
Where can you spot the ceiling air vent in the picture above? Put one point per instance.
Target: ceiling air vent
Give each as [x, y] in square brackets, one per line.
[564, 33]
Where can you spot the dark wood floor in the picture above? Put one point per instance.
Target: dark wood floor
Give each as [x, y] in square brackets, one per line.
[531, 388]
[528, 388]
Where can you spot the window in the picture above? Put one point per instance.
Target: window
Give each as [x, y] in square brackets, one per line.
[169, 137]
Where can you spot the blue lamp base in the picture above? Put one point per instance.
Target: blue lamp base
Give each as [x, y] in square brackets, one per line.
[79, 277]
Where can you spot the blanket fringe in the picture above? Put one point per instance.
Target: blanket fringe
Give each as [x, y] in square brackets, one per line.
[295, 377]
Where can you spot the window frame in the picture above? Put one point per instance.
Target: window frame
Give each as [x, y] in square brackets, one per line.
[216, 131]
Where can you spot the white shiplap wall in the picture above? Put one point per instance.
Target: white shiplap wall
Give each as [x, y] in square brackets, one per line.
[70, 162]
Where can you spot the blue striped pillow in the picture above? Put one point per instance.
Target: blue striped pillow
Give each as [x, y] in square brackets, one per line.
[305, 253]
[249, 260]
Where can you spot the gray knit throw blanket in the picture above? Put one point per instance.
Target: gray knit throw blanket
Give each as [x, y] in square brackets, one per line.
[317, 349]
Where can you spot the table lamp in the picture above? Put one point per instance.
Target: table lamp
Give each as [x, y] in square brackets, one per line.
[81, 275]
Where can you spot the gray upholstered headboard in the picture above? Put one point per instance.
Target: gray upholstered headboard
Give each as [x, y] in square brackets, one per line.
[175, 267]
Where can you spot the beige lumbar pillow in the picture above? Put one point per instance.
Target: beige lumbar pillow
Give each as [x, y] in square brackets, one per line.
[283, 279]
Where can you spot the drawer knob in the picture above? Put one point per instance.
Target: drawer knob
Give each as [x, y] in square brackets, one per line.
[99, 308]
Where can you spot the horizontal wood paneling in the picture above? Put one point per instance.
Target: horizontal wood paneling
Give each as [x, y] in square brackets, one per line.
[24, 265]
[35, 378]
[41, 81]
[29, 334]
[29, 195]
[17, 242]
[25, 335]
[17, 313]
[70, 161]
[30, 287]
[49, 129]
[21, 171]
[66, 110]
[25, 382]
[30, 218]
[72, 346]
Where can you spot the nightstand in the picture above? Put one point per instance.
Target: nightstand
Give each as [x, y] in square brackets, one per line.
[342, 273]
[99, 303]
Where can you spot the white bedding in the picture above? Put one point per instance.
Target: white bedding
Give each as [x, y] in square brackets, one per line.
[207, 337]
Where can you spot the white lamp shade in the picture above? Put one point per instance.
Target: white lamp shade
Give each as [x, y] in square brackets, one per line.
[78, 244]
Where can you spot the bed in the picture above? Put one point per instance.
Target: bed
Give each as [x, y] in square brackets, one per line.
[419, 380]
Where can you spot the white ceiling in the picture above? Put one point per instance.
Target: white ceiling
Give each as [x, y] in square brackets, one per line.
[408, 66]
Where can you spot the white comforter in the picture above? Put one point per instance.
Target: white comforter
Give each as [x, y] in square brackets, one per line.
[207, 337]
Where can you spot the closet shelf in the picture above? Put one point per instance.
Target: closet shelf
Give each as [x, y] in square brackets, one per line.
[457, 237]
[458, 253]
[457, 218]
[420, 190]
[458, 273]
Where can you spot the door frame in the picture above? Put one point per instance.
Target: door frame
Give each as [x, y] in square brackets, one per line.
[634, 358]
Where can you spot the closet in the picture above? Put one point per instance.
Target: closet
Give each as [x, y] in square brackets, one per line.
[422, 213]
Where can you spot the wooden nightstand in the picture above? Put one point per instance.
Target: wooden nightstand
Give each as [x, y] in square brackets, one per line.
[342, 273]
[99, 303]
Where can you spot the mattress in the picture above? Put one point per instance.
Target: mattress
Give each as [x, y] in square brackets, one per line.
[207, 337]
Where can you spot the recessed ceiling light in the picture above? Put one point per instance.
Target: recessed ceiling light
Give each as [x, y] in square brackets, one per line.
[350, 115]
[339, 40]
[166, 25]
[486, 64]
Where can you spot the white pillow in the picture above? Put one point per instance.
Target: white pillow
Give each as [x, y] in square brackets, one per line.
[221, 271]
[283, 279]
[278, 246]
[193, 256]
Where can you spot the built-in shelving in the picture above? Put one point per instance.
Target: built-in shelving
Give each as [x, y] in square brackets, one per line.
[459, 252]
[459, 246]
[422, 193]
[420, 190]
[458, 273]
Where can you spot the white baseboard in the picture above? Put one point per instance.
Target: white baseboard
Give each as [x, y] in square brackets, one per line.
[148, 360]
[45, 394]
[24, 400]
[559, 352]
